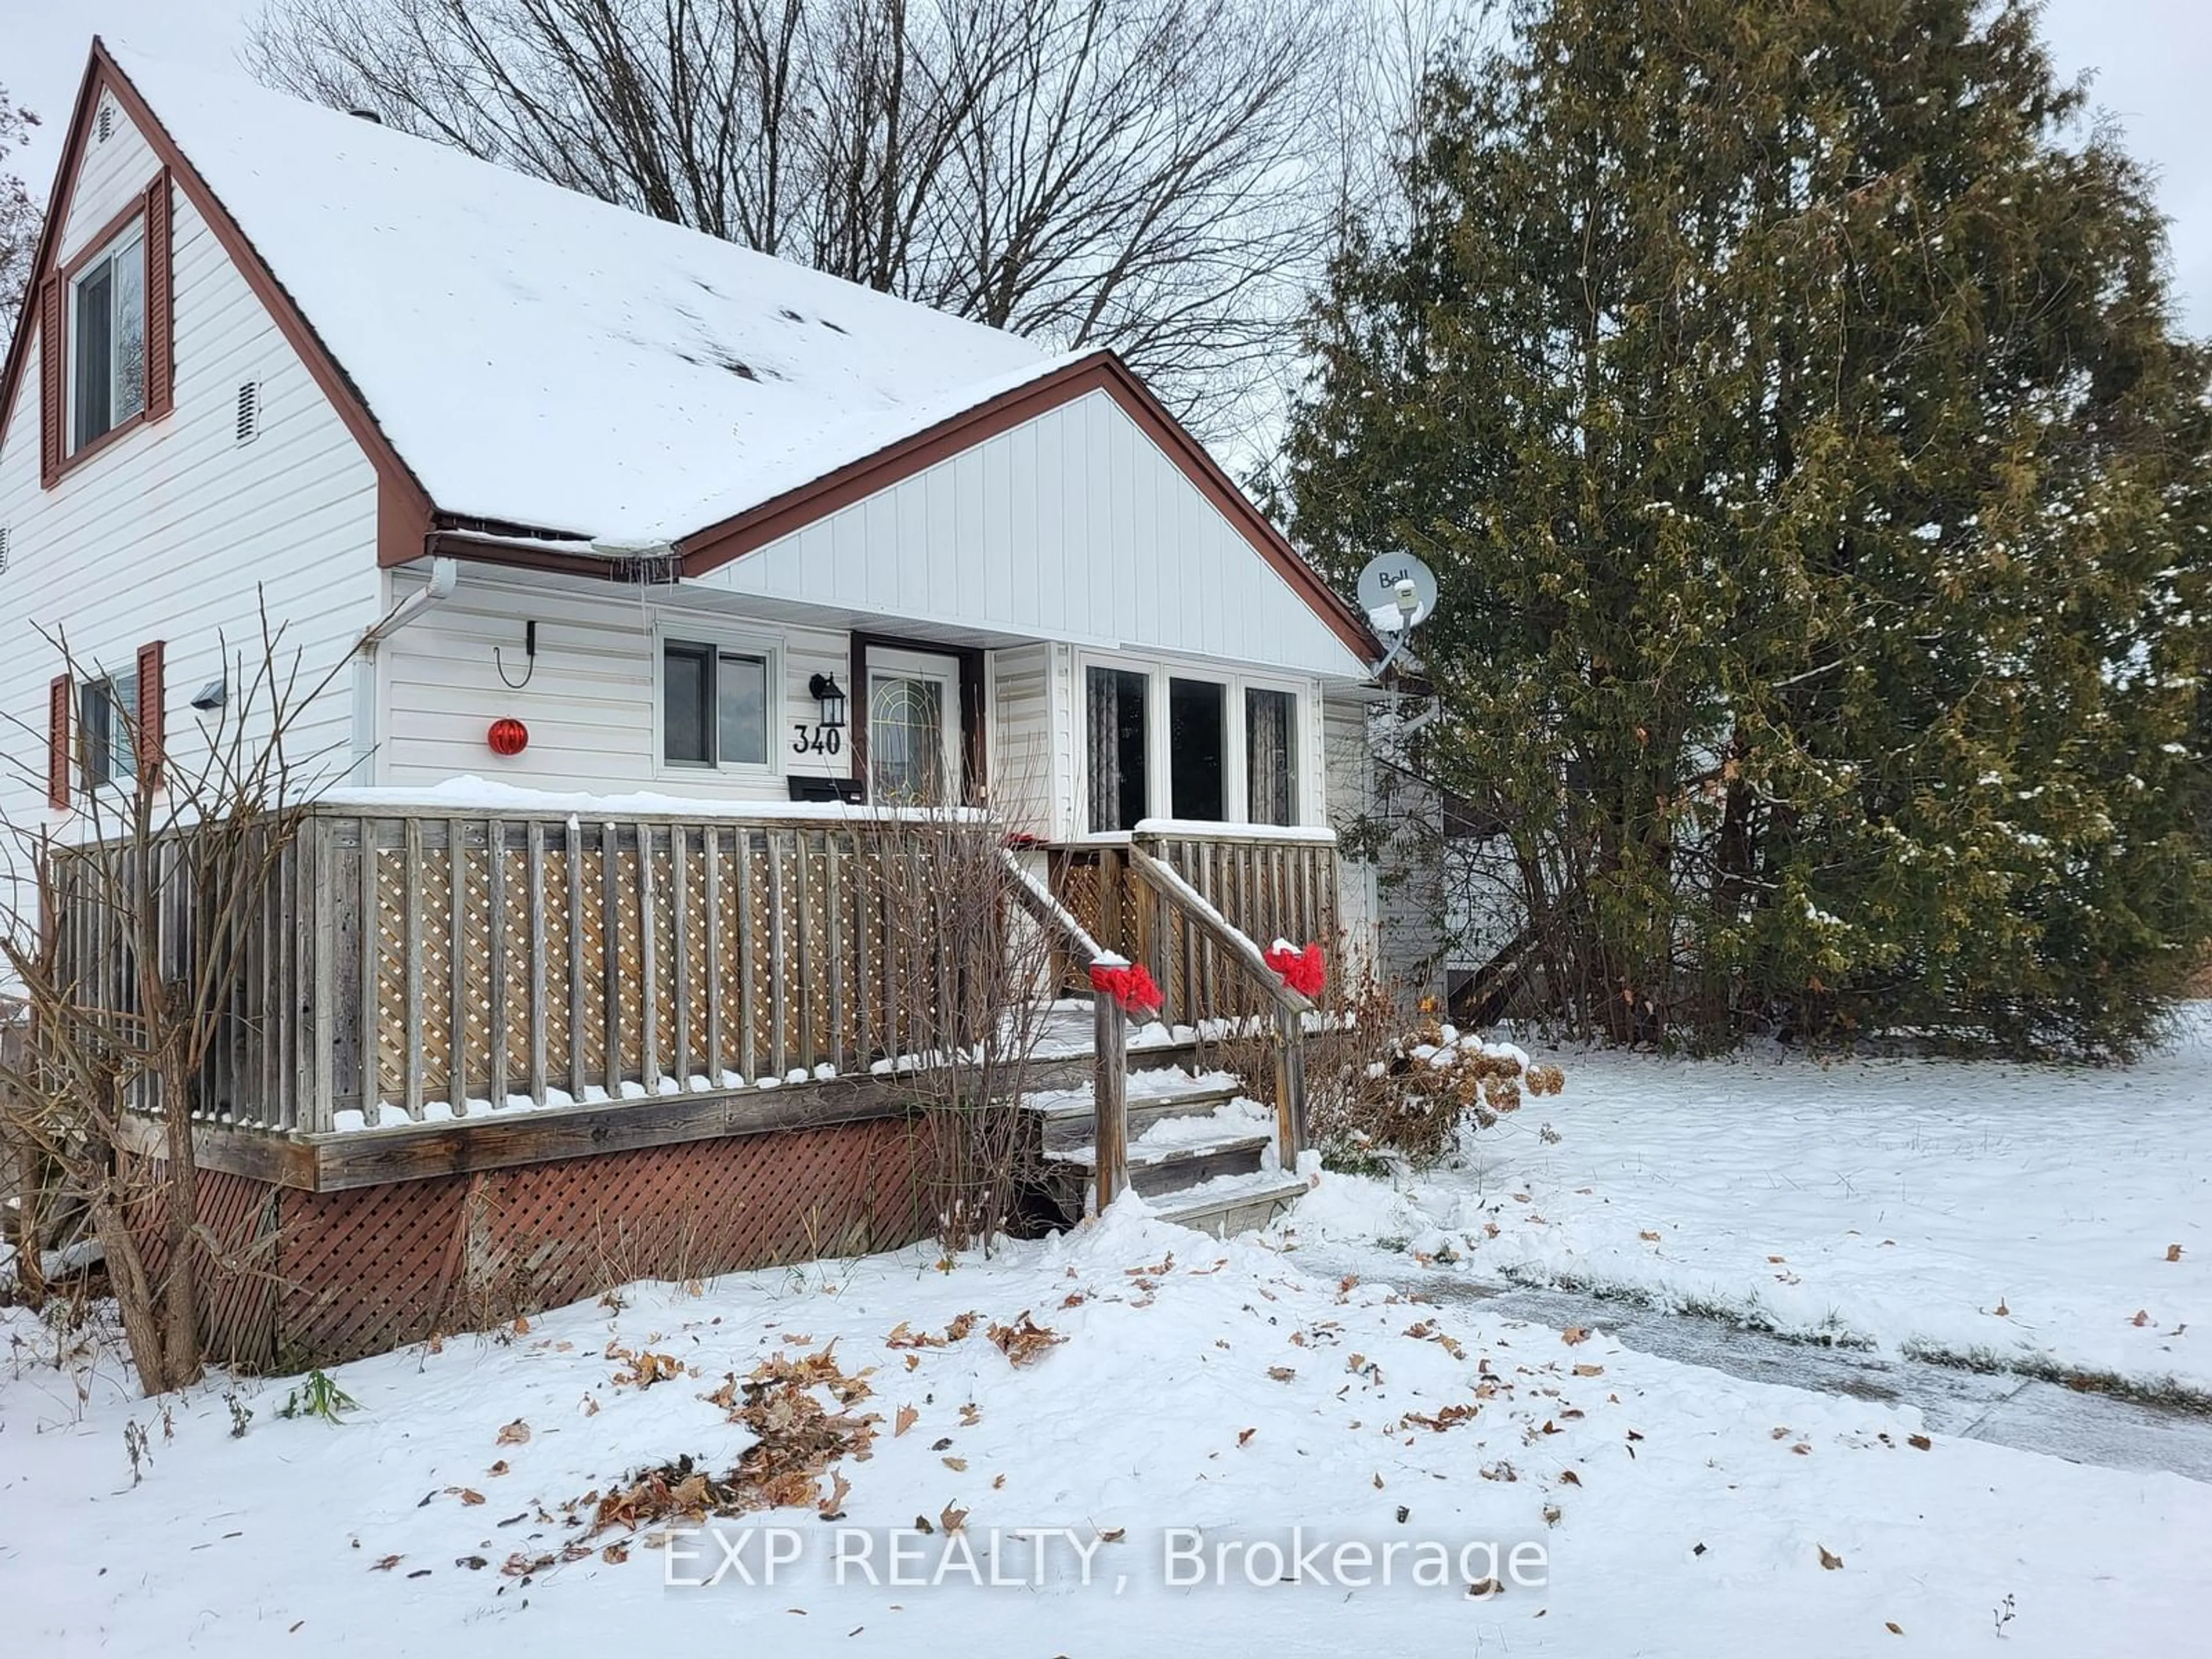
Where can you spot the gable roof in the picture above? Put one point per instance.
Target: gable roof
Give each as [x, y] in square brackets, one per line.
[518, 355]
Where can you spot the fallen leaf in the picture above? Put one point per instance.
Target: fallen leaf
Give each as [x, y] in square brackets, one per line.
[2142, 1318]
[1113, 1535]
[1828, 1559]
[1649, 1238]
[1777, 1259]
[466, 1494]
[1574, 1334]
[833, 1505]
[1589, 1371]
[516, 1433]
[952, 1519]
[1571, 1477]
[2173, 1253]
[521, 1326]
[903, 1421]
[615, 1554]
[958, 1465]
[2001, 1311]
[1919, 1441]
[385, 1565]
[590, 1407]
[499, 1467]
[1483, 1588]
[1892, 1627]
[1281, 1373]
[1245, 1435]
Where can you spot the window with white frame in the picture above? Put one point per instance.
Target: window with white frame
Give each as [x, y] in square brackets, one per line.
[107, 338]
[715, 705]
[105, 708]
[1162, 741]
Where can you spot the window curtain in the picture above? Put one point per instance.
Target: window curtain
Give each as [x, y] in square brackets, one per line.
[1272, 778]
[1105, 751]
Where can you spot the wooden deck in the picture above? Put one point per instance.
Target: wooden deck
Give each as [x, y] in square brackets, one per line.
[430, 991]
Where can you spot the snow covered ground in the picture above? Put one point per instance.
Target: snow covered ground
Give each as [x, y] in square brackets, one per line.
[2042, 1216]
[1221, 1388]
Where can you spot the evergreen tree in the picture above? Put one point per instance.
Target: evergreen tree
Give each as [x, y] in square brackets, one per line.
[1788, 394]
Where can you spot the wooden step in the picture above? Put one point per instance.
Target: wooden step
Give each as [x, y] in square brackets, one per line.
[1158, 1171]
[1067, 1121]
[1235, 1206]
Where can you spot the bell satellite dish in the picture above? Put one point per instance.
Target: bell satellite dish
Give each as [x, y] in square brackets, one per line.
[1397, 592]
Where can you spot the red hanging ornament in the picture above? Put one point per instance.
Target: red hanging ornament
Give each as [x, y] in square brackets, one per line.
[1304, 971]
[508, 736]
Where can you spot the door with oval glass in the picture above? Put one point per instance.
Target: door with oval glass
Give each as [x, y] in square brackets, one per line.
[913, 728]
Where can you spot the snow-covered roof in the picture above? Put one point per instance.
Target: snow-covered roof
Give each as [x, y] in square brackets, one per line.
[542, 358]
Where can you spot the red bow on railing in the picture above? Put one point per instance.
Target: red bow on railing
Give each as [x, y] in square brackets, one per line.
[1127, 983]
[1304, 971]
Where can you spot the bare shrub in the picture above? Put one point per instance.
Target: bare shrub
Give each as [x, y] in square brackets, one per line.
[125, 945]
[969, 964]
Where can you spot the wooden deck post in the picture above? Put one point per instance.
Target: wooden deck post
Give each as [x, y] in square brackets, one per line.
[1110, 1097]
[1289, 1084]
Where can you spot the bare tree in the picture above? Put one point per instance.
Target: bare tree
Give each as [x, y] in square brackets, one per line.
[125, 945]
[21, 218]
[1143, 174]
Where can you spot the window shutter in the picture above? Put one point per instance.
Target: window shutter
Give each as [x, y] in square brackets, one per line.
[152, 701]
[161, 355]
[53, 353]
[59, 695]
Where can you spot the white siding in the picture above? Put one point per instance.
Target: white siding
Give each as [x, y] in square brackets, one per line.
[165, 533]
[592, 699]
[1073, 526]
[113, 171]
[1019, 716]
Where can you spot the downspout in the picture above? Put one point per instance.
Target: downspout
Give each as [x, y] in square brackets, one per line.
[445, 577]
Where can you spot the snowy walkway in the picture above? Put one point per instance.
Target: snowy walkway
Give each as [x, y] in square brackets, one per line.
[2001, 1407]
[2048, 1220]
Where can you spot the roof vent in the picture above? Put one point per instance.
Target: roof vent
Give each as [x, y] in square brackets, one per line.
[369, 115]
[249, 410]
[103, 124]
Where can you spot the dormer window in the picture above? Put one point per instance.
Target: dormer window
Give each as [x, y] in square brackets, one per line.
[107, 338]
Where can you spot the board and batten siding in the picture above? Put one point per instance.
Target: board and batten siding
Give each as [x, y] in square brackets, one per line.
[591, 700]
[1073, 526]
[166, 533]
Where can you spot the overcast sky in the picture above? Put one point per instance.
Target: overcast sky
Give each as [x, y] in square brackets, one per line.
[2151, 58]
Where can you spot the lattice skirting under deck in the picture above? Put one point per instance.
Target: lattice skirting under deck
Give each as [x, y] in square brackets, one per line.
[313, 1279]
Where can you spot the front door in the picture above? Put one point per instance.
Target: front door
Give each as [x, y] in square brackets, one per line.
[913, 728]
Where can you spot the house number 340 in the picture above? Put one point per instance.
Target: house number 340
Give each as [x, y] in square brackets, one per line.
[817, 740]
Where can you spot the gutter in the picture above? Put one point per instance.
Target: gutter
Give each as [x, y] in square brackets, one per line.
[445, 577]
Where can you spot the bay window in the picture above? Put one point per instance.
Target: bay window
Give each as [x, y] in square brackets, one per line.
[1177, 743]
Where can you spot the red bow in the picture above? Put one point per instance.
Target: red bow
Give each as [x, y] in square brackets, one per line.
[1127, 983]
[1304, 971]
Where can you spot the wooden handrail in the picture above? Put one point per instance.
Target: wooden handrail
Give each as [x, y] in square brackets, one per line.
[1291, 1006]
[1224, 933]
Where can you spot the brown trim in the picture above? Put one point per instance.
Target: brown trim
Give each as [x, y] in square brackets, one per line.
[61, 693]
[152, 712]
[404, 508]
[52, 390]
[485, 549]
[973, 772]
[720, 544]
[160, 299]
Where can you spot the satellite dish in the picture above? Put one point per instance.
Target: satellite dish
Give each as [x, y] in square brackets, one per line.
[1397, 592]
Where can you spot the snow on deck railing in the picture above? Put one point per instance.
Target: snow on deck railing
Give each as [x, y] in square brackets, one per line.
[474, 795]
[1313, 835]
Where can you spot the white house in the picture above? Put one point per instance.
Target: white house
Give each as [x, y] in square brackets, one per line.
[676, 519]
